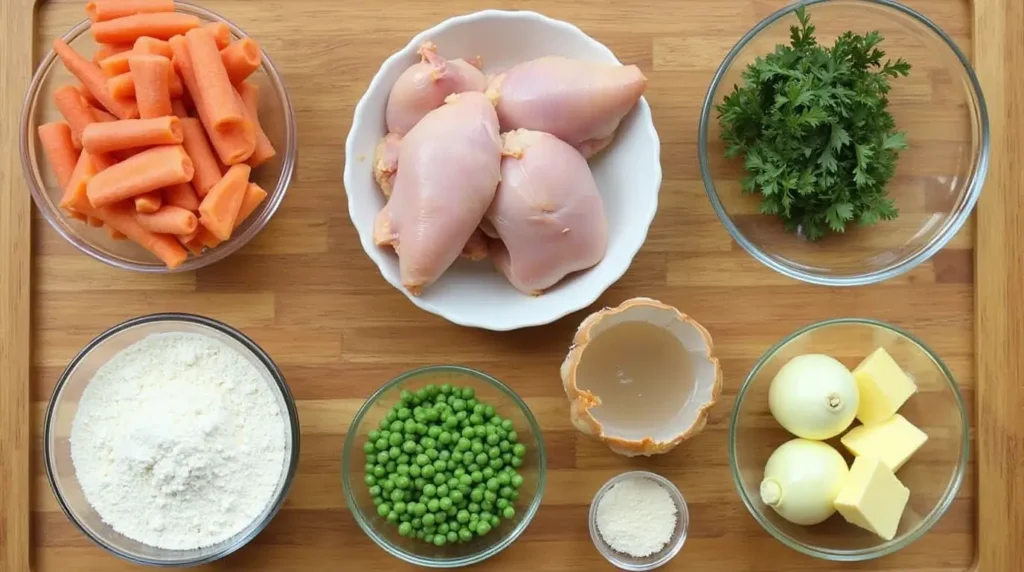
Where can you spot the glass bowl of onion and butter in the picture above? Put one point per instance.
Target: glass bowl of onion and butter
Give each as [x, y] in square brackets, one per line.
[848, 440]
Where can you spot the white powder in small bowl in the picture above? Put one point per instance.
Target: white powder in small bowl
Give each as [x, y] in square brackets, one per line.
[637, 517]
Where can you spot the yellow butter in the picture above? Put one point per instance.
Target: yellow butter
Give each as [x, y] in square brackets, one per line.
[884, 387]
[872, 497]
[892, 441]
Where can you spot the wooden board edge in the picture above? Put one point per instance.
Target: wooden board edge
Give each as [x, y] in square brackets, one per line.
[16, 27]
[999, 290]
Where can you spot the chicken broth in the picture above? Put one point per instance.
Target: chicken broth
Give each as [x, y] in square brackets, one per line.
[643, 375]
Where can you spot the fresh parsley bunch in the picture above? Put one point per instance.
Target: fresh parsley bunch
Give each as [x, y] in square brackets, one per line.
[811, 123]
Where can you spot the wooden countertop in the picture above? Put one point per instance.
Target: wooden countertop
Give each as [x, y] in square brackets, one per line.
[306, 292]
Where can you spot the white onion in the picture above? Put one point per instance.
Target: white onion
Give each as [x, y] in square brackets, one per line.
[814, 396]
[802, 479]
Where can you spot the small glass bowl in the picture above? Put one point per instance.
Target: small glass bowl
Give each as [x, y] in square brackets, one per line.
[933, 475]
[277, 119]
[488, 390]
[938, 178]
[672, 547]
[60, 413]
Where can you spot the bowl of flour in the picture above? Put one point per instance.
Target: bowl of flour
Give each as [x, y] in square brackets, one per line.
[171, 440]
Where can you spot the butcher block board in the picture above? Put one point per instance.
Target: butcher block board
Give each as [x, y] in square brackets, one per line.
[306, 292]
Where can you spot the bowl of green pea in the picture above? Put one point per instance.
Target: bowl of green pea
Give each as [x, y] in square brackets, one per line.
[444, 466]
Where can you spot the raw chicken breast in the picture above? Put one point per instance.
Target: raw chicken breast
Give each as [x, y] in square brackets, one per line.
[547, 212]
[451, 162]
[423, 87]
[385, 168]
[579, 102]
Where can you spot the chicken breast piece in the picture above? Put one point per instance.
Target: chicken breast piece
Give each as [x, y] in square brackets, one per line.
[450, 168]
[547, 212]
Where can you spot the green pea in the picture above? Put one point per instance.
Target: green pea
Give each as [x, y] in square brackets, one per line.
[422, 460]
[495, 421]
[415, 471]
[439, 479]
[369, 448]
[490, 496]
[421, 429]
[440, 465]
[400, 508]
[445, 503]
[512, 436]
[444, 438]
[420, 534]
[382, 457]
[477, 448]
[446, 388]
[482, 459]
[418, 482]
[501, 504]
[487, 472]
[428, 471]
[368, 467]
[402, 482]
[453, 483]
[486, 506]
[377, 501]
[388, 485]
[456, 496]
[431, 389]
[370, 480]
[431, 454]
[465, 535]
[475, 418]
[474, 510]
[508, 512]
[463, 445]
[493, 439]
[462, 516]
[419, 509]
[444, 454]
[452, 537]
[397, 495]
[458, 405]
[505, 492]
[514, 496]
[443, 528]
[488, 411]
[480, 431]
[405, 529]
[504, 446]
[461, 416]
[476, 476]
[428, 443]
[477, 495]
[383, 509]
[433, 505]
[468, 432]
[482, 528]
[517, 462]
[506, 424]
[442, 490]
[440, 540]
[429, 490]
[468, 393]
[428, 519]
[451, 422]
[504, 479]
[516, 480]
[375, 491]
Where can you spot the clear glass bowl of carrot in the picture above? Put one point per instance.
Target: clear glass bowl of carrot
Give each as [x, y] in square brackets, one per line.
[166, 251]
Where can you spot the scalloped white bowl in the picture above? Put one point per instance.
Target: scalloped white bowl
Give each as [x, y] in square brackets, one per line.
[628, 174]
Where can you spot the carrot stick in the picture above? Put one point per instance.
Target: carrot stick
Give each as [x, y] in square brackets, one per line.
[101, 116]
[74, 198]
[93, 222]
[121, 217]
[221, 34]
[94, 80]
[149, 202]
[107, 50]
[103, 161]
[221, 206]
[232, 145]
[122, 86]
[113, 233]
[254, 196]
[169, 220]
[103, 10]
[76, 215]
[87, 95]
[116, 64]
[148, 45]
[241, 59]
[59, 148]
[75, 111]
[178, 109]
[129, 133]
[127, 29]
[250, 95]
[152, 91]
[207, 172]
[212, 82]
[182, 195]
[147, 171]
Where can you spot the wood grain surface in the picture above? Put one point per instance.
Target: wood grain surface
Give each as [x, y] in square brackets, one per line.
[307, 293]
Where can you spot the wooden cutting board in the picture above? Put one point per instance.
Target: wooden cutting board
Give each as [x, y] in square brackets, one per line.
[307, 293]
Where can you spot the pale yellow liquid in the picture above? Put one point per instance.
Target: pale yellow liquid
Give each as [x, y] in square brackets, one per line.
[643, 376]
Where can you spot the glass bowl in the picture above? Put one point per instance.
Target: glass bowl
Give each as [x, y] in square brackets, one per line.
[933, 474]
[60, 413]
[938, 178]
[276, 117]
[489, 391]
[672, 547]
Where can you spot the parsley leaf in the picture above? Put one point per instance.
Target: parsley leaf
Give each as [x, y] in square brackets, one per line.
[812, 126]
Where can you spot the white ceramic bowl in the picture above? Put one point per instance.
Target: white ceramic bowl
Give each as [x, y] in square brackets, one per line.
[628, 174]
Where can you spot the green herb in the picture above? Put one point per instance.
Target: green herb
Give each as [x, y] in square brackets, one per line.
[811, 122]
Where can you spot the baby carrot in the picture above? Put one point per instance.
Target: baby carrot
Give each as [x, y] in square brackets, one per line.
[181, 195]
[93, 222]
[148, 45]
[113, 233]
[147, 171]
[152, 92]
[250, 95]
[75, 111]
[106, 50]
[55, 138]
[178, 108]
[241, 59]
[207, 172]
[221, 34]
[149, 202]
[122, 218]
[116, 64]
[214, 87]
[127, 29]
[129, 133]
[221, 206]
[122, 86]
[94, 80]
[103, 10]
[74, 198]
[87, 95]
[169, 220]
[254, 196]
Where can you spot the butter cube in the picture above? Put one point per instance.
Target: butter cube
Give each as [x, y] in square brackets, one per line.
[883, 387]
[892, 441]
[872, 497]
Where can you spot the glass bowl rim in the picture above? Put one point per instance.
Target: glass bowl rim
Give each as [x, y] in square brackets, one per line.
[350, 447]
[905, 264]
[677, 497]
[889, 547]
[209, 257]
[266, 361]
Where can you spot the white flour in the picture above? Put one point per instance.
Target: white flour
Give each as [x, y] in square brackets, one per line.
[177, 442]
[636, 517]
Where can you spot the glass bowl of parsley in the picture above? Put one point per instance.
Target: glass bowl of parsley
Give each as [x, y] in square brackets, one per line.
[844, 142]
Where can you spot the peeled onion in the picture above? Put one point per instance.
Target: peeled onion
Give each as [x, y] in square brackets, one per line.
[802, 479]
[814, 396]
